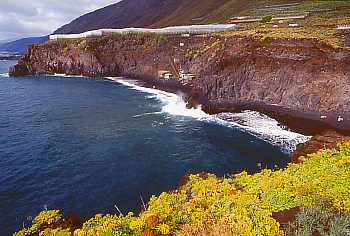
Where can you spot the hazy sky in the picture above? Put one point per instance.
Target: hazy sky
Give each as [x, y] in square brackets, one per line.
[26, 18]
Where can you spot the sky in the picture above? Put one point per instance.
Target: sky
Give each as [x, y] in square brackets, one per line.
[27, 18]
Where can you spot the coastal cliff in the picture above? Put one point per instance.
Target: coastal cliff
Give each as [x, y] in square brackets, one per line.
[298, 77]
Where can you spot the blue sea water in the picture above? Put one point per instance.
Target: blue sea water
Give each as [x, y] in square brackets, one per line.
[83, 145]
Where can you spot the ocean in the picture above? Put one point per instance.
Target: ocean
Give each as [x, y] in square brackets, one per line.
[83, 145]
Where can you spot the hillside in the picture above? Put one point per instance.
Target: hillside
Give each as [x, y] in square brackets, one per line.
[150, 14]
[161, 13]
[21, 45]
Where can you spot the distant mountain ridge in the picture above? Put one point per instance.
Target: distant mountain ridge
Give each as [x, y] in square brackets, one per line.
[20, 46]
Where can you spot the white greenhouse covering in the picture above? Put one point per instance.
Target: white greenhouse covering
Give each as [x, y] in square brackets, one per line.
[191, 29]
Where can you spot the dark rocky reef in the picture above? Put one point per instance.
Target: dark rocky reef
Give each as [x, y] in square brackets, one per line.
[326, 140]
[284, 78]
[18, 70]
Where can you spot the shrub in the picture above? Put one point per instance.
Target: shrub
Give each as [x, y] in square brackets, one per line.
[161, 37]
[82, 44]
[66, 50]
[311, 183]
[55, 232]
[140, 39]
[266, 19]
[314, 221]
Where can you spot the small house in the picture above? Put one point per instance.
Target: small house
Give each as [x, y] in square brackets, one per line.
[162, 73]
[185, 35]
[186, 77]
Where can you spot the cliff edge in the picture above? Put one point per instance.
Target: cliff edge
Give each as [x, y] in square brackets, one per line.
[295, 77]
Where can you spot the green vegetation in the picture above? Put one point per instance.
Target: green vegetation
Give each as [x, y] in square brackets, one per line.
[161, 37]
[266, 19]
[43, 219]
[307, 184]
[82, 44]
[321, 22]
[140, 38]
[66, 49]
[241, 205]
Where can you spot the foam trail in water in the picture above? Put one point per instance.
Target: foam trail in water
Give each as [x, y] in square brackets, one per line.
[255, 123]
[146, 114]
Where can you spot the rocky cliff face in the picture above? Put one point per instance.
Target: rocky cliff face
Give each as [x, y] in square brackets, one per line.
[301, 76]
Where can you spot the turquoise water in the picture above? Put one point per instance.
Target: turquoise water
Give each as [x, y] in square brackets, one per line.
[83, 145]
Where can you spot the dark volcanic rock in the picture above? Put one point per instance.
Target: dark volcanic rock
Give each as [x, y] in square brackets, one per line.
[18, 70]
[286, 216]
[326, 140]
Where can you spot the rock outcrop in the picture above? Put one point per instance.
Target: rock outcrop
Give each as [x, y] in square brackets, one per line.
[300, 77]
[326, 140]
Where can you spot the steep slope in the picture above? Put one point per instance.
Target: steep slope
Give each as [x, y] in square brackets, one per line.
[127, 13]
[213, 11]
[162, 13]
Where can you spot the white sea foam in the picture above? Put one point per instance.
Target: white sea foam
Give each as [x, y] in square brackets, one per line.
[173, 103]
[71, 76]
[4, 74]
[255, 123]
[60, 75]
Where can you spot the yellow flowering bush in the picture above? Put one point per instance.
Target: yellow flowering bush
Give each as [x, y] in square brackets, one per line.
[321, 180]
[164, 229]
[55, 232]
[49, 217]
[210, 200]
[136, 224]
[111, 225]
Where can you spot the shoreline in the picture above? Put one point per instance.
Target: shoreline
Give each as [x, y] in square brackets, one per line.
[305, 123]
[301, 122]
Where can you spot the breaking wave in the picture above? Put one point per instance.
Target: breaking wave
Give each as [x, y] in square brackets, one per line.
[173, 104]
[265, 128]
[255, 123]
